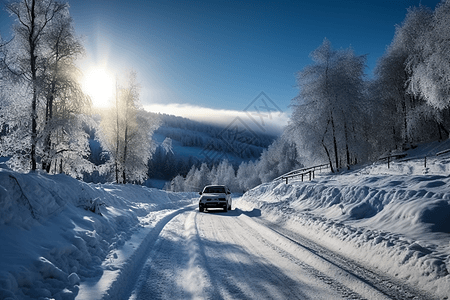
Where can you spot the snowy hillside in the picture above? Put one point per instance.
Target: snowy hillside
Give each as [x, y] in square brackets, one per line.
[56, 232]
[394, 219]
[182, 143]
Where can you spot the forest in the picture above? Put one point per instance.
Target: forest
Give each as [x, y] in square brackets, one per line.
[340, 116]
[172, 156]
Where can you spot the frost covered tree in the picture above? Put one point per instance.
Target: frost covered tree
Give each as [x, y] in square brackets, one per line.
[66, 106]
[196, 179]
[393, 75]
[167, 145]
[328, 112]
[28, 58]
[279, 158]
[224, 174]
[127, 133]
[46, 119]
[430, 66]
[247, 176]
[176, 185]
[407, 80]
[388, 92]
[429, 70]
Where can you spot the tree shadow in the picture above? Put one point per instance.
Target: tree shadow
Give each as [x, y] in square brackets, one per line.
[221, 264]
[230, 271]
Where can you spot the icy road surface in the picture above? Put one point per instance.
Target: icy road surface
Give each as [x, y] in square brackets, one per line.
[217, 255]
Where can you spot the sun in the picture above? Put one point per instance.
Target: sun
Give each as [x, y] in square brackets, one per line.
[100, 85]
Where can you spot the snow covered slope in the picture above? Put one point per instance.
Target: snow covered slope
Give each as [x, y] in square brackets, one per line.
[393, 219]
[57, 232]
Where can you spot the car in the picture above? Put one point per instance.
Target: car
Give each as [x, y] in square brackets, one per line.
[215, 196]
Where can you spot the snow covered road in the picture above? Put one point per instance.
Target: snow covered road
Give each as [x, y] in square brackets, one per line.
[232, 255]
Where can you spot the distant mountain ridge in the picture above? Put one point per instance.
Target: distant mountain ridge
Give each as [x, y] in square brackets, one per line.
[235, 140]
[182, 143]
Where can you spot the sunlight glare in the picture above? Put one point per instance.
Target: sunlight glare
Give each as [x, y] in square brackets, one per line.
[99, 84]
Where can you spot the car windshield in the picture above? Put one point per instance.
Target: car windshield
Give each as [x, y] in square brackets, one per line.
[214, 189]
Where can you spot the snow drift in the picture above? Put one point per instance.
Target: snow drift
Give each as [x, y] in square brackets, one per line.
[399, 224]
[57, 232]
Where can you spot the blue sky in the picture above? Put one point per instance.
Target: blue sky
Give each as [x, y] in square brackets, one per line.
[222, 54]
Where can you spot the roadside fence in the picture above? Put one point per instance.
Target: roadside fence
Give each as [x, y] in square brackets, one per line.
[303, 173]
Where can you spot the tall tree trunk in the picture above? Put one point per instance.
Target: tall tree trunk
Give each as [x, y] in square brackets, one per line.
[125, 138]
[327, 91]
[125, 149]
[117, 134]
[346, 145]
[32, 44]
[325, 147]
[441, 129]
[329, 157]
[444, 129]
[405, 121]
[46, 161]
[336, 156]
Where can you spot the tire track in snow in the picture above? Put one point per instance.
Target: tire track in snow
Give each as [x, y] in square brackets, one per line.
[196, 280]
[118, 284]
[388, 286]
[174, 268]
[344, 291]
[246, 268]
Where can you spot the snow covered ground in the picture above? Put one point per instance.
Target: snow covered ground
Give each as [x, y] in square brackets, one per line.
[61, 237]
[369, 233]
[396, 219]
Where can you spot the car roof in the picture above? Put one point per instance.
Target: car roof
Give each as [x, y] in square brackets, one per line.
[218, 188]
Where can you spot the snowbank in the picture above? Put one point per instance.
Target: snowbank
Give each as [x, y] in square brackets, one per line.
[399, 224]
[58, 233]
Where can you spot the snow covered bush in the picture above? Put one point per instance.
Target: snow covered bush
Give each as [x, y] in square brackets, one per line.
[94, 206]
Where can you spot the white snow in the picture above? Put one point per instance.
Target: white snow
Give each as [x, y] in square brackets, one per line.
[393, 219]
[62, 238]
[51, 246]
